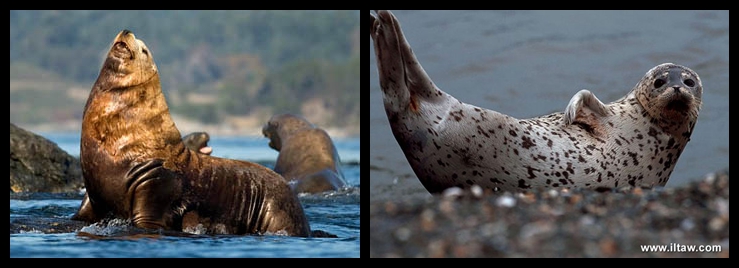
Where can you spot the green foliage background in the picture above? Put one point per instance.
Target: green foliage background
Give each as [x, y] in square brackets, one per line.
[237, 61]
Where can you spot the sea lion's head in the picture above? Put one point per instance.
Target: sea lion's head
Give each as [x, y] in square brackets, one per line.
[198, 141]
[281, 126]
[129, 63]
[670, 93]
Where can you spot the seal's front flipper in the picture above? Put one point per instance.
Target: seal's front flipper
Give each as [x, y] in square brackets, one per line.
[585, 109]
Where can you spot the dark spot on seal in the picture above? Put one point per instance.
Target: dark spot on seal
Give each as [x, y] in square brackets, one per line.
[527, 143]
[469, 182]
[481, 131]
[581, 159]
[633, 157]
[513, 133]
[671, 142]
[652, 132]
[454, 176]
[549, 143]
[522, 184]
[531, 172]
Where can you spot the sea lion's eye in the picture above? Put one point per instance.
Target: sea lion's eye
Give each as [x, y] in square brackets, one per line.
[145, 52]
[689, 82]
[658, 83]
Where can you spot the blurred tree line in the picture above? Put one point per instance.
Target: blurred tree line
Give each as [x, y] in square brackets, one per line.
[213, 64]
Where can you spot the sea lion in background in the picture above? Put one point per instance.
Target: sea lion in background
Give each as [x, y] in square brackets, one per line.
[198, 141]
[136, 166]
[635, 140]
[307, 156]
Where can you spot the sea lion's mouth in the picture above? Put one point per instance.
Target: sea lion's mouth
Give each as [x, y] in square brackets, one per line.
[206, 150]
[122, 50]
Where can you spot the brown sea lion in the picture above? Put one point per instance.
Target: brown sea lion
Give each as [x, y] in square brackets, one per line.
[136, 166]
[198, 141]
[307, 154]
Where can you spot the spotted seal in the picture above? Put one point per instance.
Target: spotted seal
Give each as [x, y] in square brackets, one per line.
[635, 140]
[135, 165]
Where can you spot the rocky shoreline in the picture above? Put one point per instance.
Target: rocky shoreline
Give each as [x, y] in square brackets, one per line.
[557, 223]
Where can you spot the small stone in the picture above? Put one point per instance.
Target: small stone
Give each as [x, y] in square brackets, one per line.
[476, 191]
[505, 200]
[716, 224]
[452, 192]
[402, 234]
[710, 177]
[427, 220]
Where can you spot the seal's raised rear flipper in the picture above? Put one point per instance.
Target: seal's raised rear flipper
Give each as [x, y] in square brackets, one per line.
[585, 109]
[402, 78]
[372, 22]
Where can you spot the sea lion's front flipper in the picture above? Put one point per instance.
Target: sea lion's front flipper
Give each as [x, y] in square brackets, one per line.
[585, 109]
[154, 191]
[86, 212]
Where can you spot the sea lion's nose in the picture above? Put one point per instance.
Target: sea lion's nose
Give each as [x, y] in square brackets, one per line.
[125, 32]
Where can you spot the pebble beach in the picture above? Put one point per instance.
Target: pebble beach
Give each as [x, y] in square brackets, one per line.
[624, 222]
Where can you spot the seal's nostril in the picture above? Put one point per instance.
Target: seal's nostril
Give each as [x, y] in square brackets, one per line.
[677, 89]
[126, 31]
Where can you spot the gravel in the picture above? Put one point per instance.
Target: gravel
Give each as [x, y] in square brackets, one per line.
[556, 223]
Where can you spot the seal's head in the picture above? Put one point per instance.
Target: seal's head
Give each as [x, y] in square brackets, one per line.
[129, 63]
[281, 126]
[670, 93]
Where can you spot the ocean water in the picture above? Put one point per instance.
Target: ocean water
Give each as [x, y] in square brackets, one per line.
[337, 213]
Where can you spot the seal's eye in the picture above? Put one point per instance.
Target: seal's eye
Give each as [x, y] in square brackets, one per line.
[658, 83]
[689, 82]
[146, 52]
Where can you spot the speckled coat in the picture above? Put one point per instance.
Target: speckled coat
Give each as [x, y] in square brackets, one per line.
[450, 143]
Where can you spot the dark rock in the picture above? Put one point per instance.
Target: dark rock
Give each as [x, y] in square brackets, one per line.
[39, 165]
